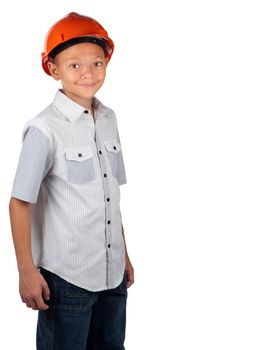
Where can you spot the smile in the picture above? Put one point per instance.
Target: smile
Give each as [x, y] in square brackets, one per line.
[87, 84]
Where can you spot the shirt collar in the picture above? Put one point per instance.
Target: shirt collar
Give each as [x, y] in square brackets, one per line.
[72, 110]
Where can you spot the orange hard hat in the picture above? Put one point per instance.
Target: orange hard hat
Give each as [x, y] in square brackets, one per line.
[73, 29]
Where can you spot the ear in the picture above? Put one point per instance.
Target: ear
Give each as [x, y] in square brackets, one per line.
[53, 70]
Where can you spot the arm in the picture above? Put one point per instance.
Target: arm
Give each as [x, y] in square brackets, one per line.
[129, 267]
[32, 283]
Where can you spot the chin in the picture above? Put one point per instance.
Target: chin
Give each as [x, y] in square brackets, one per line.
[88, 93]
[88, 96]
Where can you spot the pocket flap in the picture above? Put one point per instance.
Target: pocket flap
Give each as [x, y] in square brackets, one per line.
[79, 154]
[112, 146]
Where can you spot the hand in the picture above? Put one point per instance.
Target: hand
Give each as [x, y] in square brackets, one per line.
[33, 288]
[130, 272]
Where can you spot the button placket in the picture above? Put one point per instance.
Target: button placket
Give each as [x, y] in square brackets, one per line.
[108, 234]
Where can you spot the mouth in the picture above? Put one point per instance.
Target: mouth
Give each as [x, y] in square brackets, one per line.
[87, 85]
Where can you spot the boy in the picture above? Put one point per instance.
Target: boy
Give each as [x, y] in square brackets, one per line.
[64, 208]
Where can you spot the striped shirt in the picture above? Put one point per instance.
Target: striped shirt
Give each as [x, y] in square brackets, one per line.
[70, 168]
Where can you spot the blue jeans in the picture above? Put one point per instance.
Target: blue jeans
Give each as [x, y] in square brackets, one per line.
[81, 320]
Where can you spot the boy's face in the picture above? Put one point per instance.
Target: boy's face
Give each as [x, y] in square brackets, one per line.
[81, 69]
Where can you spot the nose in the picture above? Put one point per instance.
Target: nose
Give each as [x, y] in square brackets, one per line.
[87, 71]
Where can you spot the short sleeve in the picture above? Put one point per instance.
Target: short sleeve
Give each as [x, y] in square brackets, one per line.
[121, 171]
[34, 163]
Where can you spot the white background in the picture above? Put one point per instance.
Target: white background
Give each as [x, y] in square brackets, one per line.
[189, 84]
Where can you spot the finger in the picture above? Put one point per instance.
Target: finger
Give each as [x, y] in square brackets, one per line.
[129, 283]
[130, 279]
[46, 291]
[40, 304]
[28, 304]
[33, 305]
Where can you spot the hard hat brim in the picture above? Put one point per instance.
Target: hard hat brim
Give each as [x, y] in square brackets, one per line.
[79, 40]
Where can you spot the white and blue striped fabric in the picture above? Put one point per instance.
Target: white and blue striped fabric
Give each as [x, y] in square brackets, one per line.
[70, 169]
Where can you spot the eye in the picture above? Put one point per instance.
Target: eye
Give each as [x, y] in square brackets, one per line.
[74, 66]
[98, 64]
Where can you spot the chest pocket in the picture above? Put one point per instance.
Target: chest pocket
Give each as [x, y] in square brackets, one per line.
[79, 164]
[113, 149]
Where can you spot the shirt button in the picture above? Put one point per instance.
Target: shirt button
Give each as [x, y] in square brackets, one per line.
[108, 222]
[109, 245]
[100, 152]
[85, 111]
[105, 175]
[79, 154]
[114, 148]
[108, 199]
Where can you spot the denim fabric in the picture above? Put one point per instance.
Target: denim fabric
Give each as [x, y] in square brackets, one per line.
[81, 320]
